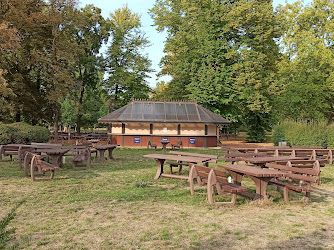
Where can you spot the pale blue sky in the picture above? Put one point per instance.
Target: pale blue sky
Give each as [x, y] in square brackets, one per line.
[155, 51]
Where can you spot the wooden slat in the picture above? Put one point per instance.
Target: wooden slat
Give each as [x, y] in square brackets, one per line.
[292, 169]
[175, 176]
[193, 154]
[253, 171]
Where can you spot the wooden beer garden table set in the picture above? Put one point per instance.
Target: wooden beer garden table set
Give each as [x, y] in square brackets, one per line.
[260, 176]
[161, 158]
[101, 148]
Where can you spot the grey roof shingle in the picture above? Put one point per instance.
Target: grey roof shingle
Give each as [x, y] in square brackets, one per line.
[163, 112]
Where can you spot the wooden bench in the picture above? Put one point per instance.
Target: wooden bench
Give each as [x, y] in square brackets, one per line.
[179, 145]
[87, 144]
[151, 145]
[19, 150]
[80, 156]
[39, 166]
[310, 154]
[302, 163]
[214, 179]
[299, 179]
[323, 154]
[239, 156]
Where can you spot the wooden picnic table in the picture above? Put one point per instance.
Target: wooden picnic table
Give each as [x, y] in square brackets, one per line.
[164, 144]
[161, 158]
[261, 161]
[260, 176]
[56, 154]
[104, 147]
[213, 158]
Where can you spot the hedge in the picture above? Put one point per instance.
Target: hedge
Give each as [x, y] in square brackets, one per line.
[303, 134]
[23, 133]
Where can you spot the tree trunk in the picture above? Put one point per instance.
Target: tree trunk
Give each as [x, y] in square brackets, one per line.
[56, 121]
[79, 118]
[18, 116]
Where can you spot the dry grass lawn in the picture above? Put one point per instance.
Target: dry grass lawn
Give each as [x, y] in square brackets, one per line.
[119, 205]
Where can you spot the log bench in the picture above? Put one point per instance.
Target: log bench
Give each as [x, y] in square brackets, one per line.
[298, 179]
[38, 167]
[214, 179]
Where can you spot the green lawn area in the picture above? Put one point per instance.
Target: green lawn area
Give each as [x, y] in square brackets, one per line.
[119, 205]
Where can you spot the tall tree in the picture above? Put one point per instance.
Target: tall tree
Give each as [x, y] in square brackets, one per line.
[306, 74]
[8, 43]
[91, 32]
[127, 66]
[223, 55]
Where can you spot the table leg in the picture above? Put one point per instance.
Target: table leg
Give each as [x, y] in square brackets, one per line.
[160, 168]
[261, 187]
[110, 153]
[237, 178]
[163, 146]
[101, 151]
[56, 160]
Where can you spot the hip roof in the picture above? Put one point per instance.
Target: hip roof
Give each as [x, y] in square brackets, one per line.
[163, 112]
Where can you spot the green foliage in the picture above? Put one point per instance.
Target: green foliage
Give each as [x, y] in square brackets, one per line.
[5, 234]
[302, 133]
[23, 133]
[221, 60]
[305, 75]
[6, 133]
[330, 136]
[126, 64]
[257, 124]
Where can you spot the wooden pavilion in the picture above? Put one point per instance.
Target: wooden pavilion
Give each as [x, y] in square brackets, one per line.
[141, 121]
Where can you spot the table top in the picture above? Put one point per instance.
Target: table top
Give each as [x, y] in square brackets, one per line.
[193, 154]
[267, 159]
[105, 146]
[253, 148]
[59, 151]
[177, 158]
[165, 142]
[254, 171]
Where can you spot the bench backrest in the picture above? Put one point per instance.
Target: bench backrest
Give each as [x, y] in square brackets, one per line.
[304, 174]
[303, 163]
[46, 144]
[304, 153]
[202, 174]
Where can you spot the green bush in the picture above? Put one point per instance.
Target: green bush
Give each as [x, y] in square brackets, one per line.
[330, 136]
[302, 133]
[23, 133]
[5, 134]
